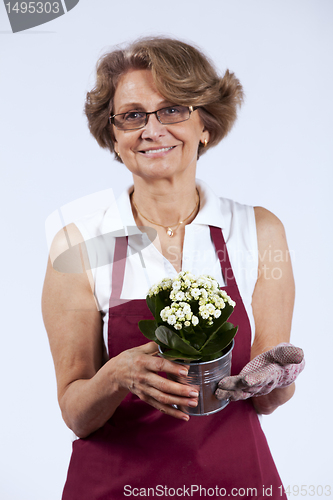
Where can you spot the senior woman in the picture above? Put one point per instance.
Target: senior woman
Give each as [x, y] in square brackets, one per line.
[158, 105]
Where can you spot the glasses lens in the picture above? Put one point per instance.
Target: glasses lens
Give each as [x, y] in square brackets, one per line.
[173, 114]
[130, 120]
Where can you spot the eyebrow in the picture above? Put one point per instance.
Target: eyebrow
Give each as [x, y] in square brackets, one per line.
[135, 106]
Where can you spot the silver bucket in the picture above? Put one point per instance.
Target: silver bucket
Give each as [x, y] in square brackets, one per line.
[205, 376]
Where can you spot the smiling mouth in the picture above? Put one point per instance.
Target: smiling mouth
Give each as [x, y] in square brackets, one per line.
[160, 150]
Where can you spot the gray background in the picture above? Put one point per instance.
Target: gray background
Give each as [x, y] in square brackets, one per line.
[279, 155]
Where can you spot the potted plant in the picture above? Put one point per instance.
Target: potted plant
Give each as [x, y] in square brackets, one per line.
[191, 327]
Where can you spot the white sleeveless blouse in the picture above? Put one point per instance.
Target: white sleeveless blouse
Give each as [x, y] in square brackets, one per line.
[147, 267]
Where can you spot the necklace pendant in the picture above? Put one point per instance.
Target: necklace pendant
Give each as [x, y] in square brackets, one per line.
[170, 232]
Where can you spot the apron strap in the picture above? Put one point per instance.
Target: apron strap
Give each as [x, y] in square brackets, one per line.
[222, 253]
[118, 268]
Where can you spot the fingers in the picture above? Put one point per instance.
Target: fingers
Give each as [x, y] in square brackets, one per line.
[159, 364]
[242, 387]
[168, 410]
[278, 367]
[232, 395]
[149, 348]
[232, 388]
[163, 394]
[138, 371]
[169, 389]
[287, 354]
[264, 376]
[231, 383]
[166, 403]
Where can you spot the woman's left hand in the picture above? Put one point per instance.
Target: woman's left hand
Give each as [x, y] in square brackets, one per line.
[273, 369]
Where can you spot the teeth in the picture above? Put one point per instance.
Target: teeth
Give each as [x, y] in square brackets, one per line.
[158, 150]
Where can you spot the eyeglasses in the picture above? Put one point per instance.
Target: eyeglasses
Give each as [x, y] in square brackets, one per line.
[133, 120]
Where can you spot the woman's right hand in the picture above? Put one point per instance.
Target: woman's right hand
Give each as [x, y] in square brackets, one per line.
[138, 371]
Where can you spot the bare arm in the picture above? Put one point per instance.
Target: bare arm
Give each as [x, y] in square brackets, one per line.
[273, 299]
[89, 387]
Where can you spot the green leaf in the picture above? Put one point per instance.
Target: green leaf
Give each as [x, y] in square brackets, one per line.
[195, 338]
[220, 339]
[163, 346]
[172, 354]
[172, 340]
[211, 357]
[148, 328]
[151, 303]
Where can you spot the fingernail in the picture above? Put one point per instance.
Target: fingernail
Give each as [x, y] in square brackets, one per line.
[193, 394]
[186, 417]
[183, 372]
[193, 403]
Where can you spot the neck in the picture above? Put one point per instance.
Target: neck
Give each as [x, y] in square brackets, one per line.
[165, 203]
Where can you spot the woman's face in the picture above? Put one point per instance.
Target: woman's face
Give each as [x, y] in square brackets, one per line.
[156, 151]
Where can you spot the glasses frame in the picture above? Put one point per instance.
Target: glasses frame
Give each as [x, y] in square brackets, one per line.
[190, 109]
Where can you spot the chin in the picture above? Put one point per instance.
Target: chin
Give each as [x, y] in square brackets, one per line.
[158, 172]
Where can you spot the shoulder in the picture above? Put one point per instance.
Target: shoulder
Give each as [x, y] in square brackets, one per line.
[270, 230]
[65, 238]
[66, 251]
[220, 211]
[236, 210]
[239, 224]
[265, 218]
[81, 229]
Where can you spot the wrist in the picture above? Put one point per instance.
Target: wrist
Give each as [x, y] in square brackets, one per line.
[113, 379]
[267, 404]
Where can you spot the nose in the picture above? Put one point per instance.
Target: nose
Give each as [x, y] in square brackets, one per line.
[153, 129]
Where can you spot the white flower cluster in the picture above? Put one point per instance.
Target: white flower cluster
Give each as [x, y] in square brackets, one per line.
[185, 288]
[179, 315]
[165, 284]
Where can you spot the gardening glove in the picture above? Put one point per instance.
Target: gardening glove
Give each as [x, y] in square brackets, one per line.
[272, 369]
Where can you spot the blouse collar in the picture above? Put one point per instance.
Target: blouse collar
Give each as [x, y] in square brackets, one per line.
[209, 214]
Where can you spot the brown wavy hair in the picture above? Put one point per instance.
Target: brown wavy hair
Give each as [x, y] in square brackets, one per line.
[182, 75]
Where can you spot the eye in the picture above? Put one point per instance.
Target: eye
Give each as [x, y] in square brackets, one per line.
[133, 116]
[171, 110]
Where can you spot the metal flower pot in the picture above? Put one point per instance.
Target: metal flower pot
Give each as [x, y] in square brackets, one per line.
[205, 376]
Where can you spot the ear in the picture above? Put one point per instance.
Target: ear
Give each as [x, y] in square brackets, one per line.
[205, 136]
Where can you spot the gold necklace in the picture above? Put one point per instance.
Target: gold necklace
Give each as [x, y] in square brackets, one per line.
[170, 232]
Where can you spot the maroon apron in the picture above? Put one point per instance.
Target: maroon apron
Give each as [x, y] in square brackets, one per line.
[143, 452]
